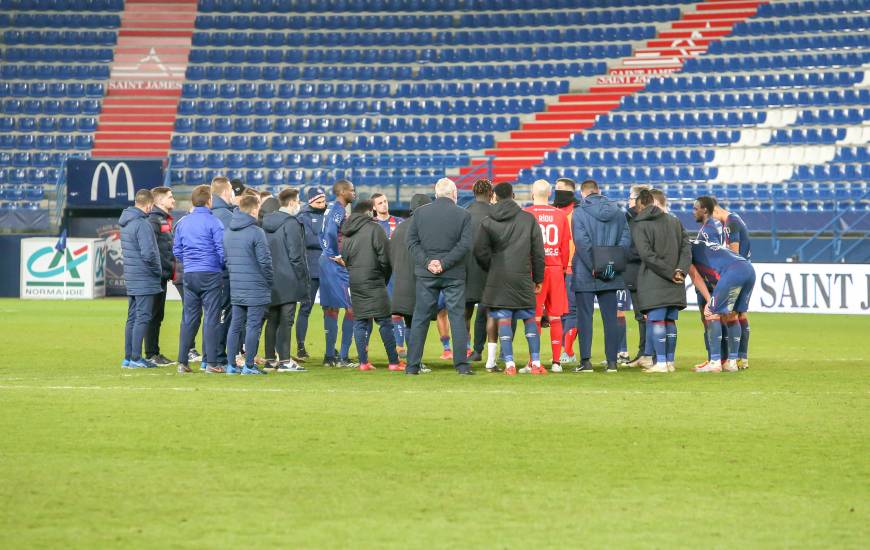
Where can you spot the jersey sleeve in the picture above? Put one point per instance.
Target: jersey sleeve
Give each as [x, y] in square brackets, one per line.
[329, 236]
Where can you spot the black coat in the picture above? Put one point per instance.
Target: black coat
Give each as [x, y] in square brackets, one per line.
[161, 222]
[475, 277]
[664, 247]
[632, 258]
[511, 249]
[365, 251]
[286, 237]
[440, 231]
[404, 281]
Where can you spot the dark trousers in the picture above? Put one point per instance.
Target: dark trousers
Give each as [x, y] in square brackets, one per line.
[426, 294]
[202, 292]
[180, 287]
[305, 313]
[479, 328]
[362, 332]
[279, 324]
[641, 323]
[250, 320]
[139, 312]
[224, 319]
[607, 307]
[152, 335]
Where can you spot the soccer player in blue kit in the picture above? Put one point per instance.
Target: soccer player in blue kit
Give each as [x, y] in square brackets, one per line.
[736, 237]
[334, 279]
[711, 231]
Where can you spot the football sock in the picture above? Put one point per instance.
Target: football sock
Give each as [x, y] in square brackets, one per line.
[399, 330]
[346, 335]
[506, 336]
[743, 353]
[570, 335]
[648, 349]
[671, 348]
[556, 338]
[445, 343]
[491, 354]
[707, 336]
[733, 328]
[660, 340]
[714, 333]
[533, 337]
[330, 324]
[620, 326]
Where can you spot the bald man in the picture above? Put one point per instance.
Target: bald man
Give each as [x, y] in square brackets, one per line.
[553, 297]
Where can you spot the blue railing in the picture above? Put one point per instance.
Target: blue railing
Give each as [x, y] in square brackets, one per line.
[837, 226]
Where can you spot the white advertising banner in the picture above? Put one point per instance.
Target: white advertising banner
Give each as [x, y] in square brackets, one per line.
[808, 288]
[79, 272]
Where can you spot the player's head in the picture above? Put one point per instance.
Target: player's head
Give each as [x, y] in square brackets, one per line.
[264, 195]
[645, 199]
[221, 187]
[380, 204]
[163, 198]
[251, 192]
[289, 201]
[419, 200]
[566, 184]
[364, 206]
[589, 187]
[201, 196]
[541, 191]
[661, 200]
[445, 188]
[633, 193]
[504, 191]
[482, 190]
[343, 191]
[144, 200]
[704, 207]
[249, 204]
[316, 198]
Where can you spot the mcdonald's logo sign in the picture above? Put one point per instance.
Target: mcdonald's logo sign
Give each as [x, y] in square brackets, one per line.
[112, 177]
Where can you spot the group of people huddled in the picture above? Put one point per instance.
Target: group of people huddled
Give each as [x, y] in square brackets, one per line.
[244, 259]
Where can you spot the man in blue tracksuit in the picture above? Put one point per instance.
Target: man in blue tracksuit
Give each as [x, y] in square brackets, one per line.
[198, 244]
[311, 217]
[223, 206]
[142, 274]
[249, 261]
[597, 223]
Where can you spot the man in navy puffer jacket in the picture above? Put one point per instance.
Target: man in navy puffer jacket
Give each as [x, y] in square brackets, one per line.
[142, 274]
[249, 262]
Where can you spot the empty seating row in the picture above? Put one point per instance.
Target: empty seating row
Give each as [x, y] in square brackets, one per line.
[268, 90]
[266, 6]
[243, 125]
[807, 136]
[425, 38]
[52, 72]
[46, 142]
[758, 100]
[315, 160]
[60, 20]
[63, 5]
[799, 25]
[181, 142]
[832, 172]
[809, 7]
[762, 62]
[388, 72]
[650, 157]
[406, 56]
[755, 45]
[615, 121]
[57, 55]
[592, 140]
[48, 124]
[50, 107]
[766, 81]
[35, 160]
[23, 205]
[33, 192]
[17, 181]
[61, 38]
[54, 89]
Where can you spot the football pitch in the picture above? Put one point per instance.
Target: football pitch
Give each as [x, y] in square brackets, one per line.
[92, 456]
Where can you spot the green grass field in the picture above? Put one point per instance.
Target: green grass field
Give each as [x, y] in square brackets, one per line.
[92, 456]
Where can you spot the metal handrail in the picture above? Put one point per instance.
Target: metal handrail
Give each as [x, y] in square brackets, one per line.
[831, 226]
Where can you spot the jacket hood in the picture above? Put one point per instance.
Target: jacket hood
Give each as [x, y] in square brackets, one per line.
[241, 220]
[217, 202]
[600, 207]
[157, 212]
[649, 214]
[129, 214]
[563, 198]
[505, 210]
[273, 222]
[309, 208]
[419, 200]
[269, 205]
[354, 223]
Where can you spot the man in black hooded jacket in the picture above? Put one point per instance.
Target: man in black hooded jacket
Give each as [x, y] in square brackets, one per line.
[510, 248]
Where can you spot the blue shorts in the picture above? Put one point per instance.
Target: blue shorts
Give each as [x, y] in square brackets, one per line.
[663, 314]
[442, 303]
[734, 289]
[511, 313]
[334, 285]
[623, 300]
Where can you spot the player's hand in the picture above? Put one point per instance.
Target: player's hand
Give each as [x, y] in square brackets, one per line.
[339, 260]
[435, 267]
[679, 277]
[538, 288]
[709, 315]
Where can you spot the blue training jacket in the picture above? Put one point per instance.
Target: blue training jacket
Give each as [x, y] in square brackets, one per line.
[199, 242]
[141, 256]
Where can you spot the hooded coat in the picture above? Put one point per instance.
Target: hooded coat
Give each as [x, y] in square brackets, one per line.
[249, 262]
[286, 237]
[161, 223]
[404, 281]
[365, 251]
[511, 249]
[597, 221]
[475, 277]
[663, 246]
[632, 259]
[312, 219]
[141, 256]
